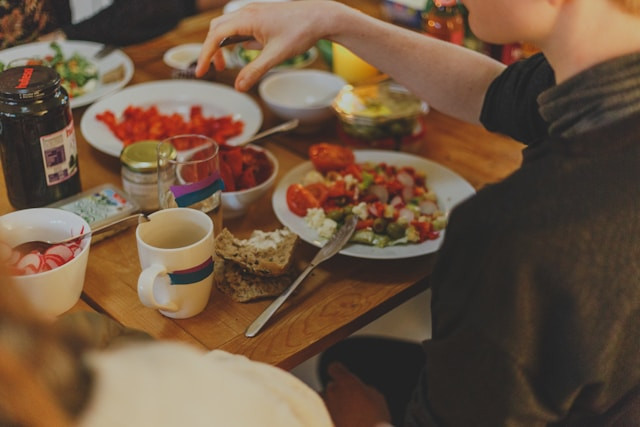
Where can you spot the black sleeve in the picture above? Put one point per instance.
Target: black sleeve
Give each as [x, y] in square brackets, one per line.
[127, 22]
[510, 106]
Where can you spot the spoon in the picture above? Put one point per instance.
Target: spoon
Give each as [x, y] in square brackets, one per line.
[42, 245]
[185, 155]
[282, 127]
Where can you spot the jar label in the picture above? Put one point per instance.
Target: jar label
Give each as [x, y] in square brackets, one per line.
[59, 155]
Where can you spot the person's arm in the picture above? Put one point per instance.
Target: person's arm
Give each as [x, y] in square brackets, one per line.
[452, 79]
[127, 22]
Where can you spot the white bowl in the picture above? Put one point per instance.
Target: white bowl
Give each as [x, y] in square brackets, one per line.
[234, 5]
[55, 291]
[301, 94]
[236, 203]
[182, 56]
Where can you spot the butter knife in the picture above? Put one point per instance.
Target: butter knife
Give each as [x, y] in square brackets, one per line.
[332, 247]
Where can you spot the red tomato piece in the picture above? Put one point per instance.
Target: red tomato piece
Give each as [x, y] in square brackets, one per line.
[319, 190]
[247, 179]
[232, 157]
[299, 199]
[227, 177]
[364, 223]
[326, 157]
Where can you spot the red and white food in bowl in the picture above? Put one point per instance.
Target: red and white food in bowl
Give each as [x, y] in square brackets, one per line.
[51, 279]
[248, 173]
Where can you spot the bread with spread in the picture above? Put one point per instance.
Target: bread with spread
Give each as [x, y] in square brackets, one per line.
[259, 267]
[264, 253]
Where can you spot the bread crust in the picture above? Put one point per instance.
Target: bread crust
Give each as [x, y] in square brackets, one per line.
[266, 254]
[242, 286]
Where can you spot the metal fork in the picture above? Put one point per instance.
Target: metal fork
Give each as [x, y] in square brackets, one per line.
[332, 247]
[104, 51]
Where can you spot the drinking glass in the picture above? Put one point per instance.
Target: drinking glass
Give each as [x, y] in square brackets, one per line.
[189, 175]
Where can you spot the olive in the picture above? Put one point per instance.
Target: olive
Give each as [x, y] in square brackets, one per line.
[379, 225]
[336, 214]
[395, 230]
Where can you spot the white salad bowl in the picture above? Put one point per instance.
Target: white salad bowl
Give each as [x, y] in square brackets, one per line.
[55, 291]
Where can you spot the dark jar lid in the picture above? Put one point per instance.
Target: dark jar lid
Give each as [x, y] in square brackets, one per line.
[26, 83]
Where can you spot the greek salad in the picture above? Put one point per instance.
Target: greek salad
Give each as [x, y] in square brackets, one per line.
[394, 204]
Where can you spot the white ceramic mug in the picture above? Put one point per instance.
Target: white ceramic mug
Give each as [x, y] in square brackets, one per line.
[176, 255]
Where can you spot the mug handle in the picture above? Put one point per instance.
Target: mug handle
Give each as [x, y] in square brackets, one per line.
[145, 288]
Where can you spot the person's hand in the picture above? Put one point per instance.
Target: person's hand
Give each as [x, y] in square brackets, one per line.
[352, 403]
[282, 30]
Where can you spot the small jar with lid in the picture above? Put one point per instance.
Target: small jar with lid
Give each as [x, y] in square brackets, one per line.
[382, 116]
[37, 137]
[140, 173]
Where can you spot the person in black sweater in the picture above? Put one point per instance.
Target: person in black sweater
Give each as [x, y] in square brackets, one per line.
[117, 22]
[536, 291]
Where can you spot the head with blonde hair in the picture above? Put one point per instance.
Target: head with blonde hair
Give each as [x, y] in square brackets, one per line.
[42, 382]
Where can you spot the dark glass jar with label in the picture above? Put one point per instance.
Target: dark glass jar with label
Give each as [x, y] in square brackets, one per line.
[37, 138]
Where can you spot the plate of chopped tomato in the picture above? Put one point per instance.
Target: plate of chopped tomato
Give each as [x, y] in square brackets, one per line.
[157, 110]
[402, 200]
[84, 77]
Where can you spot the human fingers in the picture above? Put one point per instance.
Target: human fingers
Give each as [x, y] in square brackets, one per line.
[269, 57]
[219, 28]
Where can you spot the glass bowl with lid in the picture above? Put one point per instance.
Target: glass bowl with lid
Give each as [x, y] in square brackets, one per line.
[384, 115]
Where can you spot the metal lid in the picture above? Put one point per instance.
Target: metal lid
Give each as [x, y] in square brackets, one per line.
[28, 82]
[378, 103]
[142, 156]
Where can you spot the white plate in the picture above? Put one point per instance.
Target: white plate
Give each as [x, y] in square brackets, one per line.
[86, 49]
[181, 56]
[171, 96]
[450, 188]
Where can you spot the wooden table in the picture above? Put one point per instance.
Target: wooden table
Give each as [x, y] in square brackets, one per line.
[339, 297]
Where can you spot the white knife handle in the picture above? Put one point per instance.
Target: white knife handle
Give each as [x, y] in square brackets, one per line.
[260, 321]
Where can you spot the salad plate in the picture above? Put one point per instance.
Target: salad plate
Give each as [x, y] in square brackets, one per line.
[449, 187]
[171, 96]
[116, 60]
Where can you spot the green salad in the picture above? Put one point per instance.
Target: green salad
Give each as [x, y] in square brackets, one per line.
[78, 75]
[248, 55]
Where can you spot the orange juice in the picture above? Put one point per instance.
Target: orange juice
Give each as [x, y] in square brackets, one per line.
[351, 67]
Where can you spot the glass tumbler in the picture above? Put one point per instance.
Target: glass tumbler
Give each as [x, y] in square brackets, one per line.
[189, 175]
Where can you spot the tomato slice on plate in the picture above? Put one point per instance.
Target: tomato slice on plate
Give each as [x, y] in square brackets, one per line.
[327, 157]
[319, 190]
[299, 199]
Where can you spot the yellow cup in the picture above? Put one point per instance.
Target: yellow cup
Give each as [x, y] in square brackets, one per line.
[351, 67]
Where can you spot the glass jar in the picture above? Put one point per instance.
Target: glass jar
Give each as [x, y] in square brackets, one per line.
[139, 173]
[37, 137]
[381, 116]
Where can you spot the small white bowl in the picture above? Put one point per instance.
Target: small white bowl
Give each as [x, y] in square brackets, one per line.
[301, 94]
[236, 203]
[234, 5]
[181, 56]
[55, 291]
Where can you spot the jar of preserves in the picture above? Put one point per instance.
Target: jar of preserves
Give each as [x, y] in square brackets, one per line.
[37, 138]
[139, 173]
[381, 116]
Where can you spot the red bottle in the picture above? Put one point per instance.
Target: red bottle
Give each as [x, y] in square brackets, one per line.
[444, 20]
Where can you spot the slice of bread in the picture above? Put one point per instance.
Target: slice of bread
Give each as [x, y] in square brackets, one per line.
[267, 253]
[242, 286]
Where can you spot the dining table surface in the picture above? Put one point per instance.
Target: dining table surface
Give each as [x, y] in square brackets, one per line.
[339, 297]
